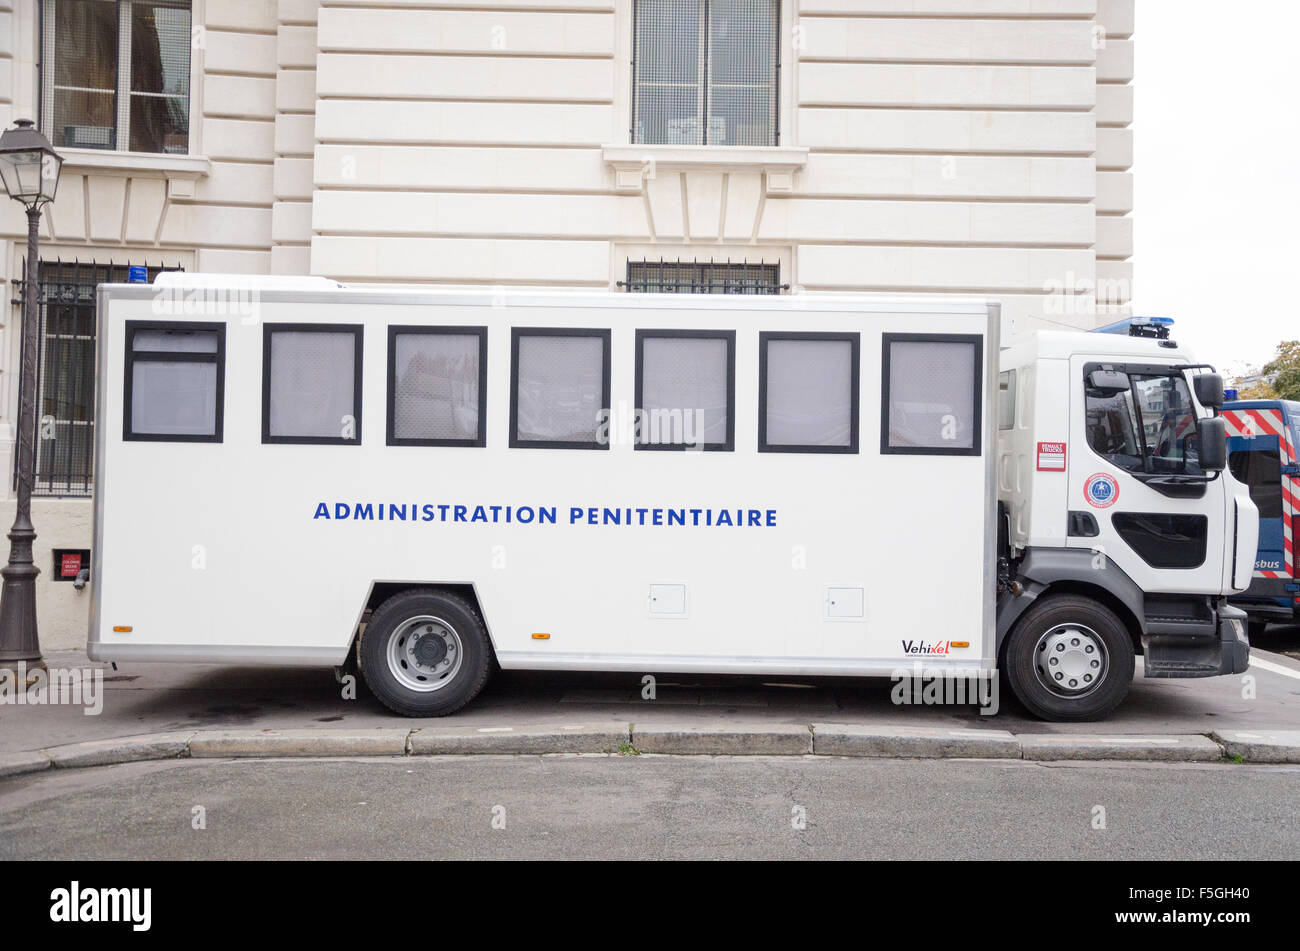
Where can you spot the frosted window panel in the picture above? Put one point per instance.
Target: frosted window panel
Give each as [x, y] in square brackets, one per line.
[174, 341]
[173, 399]
[809, 393]
[313, 382]
[932, 395]
[681, 376]
[561, 388]
[436, 386]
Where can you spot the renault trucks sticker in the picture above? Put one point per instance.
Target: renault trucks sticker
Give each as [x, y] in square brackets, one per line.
[1101, 490]
[1051, 457]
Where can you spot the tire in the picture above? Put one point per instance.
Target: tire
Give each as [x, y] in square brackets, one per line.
[425, 653]
[1088, 640]
[1255, 630]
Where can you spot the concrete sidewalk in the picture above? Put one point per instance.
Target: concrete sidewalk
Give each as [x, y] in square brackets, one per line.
[818, 739]
[156, 711]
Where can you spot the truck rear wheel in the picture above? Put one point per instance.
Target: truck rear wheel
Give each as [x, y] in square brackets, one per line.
[425, 653]
[1069, 658]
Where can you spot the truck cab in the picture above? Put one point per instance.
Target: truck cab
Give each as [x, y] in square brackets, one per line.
[1117, 507]
[1263, 436]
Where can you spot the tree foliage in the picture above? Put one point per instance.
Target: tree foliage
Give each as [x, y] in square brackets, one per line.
[1284, 370]
[1281, 376]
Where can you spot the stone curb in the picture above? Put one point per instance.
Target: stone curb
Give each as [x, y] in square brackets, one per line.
[127, 749]
[687, 740]
[1187, 748]
[16, 764]
[258, 743]
[679, 738]
[840, 739]
[1260, 746]
[579, 739]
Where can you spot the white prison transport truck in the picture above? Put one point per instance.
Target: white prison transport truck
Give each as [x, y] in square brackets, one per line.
[427, 481]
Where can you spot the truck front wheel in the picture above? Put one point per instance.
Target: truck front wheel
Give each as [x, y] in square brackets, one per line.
[425, 653]
[1069, 658]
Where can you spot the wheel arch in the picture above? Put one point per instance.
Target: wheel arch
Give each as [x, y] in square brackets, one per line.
[1043, 572]
[381, 591]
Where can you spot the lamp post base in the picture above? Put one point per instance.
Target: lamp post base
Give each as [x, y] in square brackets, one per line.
[19, 641]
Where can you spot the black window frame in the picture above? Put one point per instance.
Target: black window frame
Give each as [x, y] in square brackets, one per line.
[396, 330]
[977, 420]
[855, 389]
[269, 329]
[516, 333]
[729, 336]
[131, 357]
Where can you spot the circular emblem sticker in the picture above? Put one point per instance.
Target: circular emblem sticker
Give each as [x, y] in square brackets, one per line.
[1101, 490]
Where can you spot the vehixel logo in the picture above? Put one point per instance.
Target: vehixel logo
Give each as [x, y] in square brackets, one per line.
[1266, 564]
[921, 647]
[77, 904]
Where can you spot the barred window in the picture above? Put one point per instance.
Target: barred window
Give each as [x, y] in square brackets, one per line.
[705, 72]
[116, 75]
[709, 277]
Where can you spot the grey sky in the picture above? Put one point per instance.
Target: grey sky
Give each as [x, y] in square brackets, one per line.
[1217, 173]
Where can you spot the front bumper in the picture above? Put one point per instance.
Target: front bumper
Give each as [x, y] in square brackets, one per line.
[1226, 651]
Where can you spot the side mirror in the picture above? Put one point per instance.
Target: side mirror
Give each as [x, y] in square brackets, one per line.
[1108, 382]
[1209, 389]
[1212, 438]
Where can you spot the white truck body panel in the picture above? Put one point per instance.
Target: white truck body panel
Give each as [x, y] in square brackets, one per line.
[217, 551]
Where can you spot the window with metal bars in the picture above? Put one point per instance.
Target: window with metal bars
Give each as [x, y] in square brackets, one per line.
[708, 277]
[705, 72]
[65, 372]
[115, 74]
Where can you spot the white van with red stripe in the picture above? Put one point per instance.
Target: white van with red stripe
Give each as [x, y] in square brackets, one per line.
[1263, 436]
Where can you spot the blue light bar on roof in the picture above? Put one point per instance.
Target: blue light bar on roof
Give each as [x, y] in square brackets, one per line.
[1139, 327]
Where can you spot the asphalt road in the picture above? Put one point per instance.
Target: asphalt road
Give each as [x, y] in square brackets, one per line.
[652, 808]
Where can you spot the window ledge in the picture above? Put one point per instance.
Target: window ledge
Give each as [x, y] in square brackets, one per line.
[172, 166]
[632, 164]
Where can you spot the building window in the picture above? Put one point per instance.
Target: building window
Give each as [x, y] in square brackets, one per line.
[115, 74]
[930, 394]
[559, 388]
[705, 72]
[174, 381]
[808, 392]
[437, 386]
[709, 277]
[685, 381]
[311, 384]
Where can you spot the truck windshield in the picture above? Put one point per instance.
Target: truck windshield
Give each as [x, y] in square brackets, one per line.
[1150, 428]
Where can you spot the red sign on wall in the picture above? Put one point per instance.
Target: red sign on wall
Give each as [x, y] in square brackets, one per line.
[70, 564]
[1051, 457]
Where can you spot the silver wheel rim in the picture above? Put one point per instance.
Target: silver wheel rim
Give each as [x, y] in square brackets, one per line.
[424, 653]
[1070, 660]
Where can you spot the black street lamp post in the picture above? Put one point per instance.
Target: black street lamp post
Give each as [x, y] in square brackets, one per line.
[30, 168]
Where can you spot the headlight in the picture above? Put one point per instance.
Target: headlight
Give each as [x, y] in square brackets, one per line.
[1238, 628]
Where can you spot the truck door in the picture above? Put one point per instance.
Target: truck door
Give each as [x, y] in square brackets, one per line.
[1257, 453]
[1136, 488]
